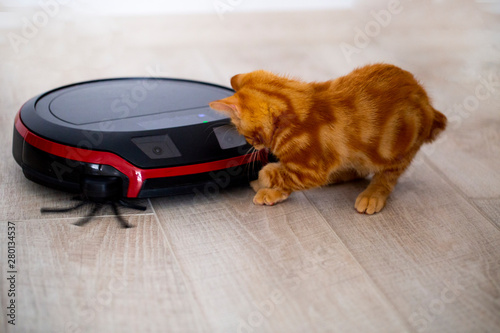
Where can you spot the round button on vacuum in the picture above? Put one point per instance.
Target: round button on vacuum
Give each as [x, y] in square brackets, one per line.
[157, 150]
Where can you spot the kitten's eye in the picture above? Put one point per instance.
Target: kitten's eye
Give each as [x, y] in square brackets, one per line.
[255, 139]
[258, 139]
[251, 140]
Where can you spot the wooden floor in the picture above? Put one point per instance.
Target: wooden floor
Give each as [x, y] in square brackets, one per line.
[430, 262]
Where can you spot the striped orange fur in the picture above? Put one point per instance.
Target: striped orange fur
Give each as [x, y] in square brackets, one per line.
[371, 121]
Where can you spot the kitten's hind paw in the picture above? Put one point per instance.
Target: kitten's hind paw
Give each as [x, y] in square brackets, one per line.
[269, 197]
[370, 203]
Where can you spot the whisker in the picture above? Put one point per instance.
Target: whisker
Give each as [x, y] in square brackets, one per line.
[210, 133]
[254, 157]
[249, 164]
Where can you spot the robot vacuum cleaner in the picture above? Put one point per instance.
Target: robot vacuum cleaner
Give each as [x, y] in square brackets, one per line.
[132, 138]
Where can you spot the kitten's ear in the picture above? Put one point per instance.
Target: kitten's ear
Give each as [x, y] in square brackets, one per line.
[228, 105]
[237, 81]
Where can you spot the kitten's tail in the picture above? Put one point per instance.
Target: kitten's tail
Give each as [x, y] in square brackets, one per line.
[438, 125]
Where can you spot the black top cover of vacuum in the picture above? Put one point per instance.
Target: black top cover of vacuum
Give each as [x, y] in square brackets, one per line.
[157, 136]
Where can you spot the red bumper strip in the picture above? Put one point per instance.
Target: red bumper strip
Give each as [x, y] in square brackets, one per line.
[135, 175]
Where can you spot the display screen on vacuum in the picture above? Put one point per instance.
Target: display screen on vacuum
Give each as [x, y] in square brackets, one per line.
[228, 137]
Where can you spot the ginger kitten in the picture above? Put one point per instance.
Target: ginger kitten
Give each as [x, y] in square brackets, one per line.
[371, 121]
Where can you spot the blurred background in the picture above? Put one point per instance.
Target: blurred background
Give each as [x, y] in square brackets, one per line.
[64, 41]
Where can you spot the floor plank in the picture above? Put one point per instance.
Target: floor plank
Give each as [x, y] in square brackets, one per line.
[437, 258]
[98, 278]
[278, 269]
[470, 157]
[490, 208]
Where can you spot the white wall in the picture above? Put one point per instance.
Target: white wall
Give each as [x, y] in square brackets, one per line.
[147, 7]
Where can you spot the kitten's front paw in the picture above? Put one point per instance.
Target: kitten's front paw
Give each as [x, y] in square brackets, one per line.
[269, 197]
[370, 203]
